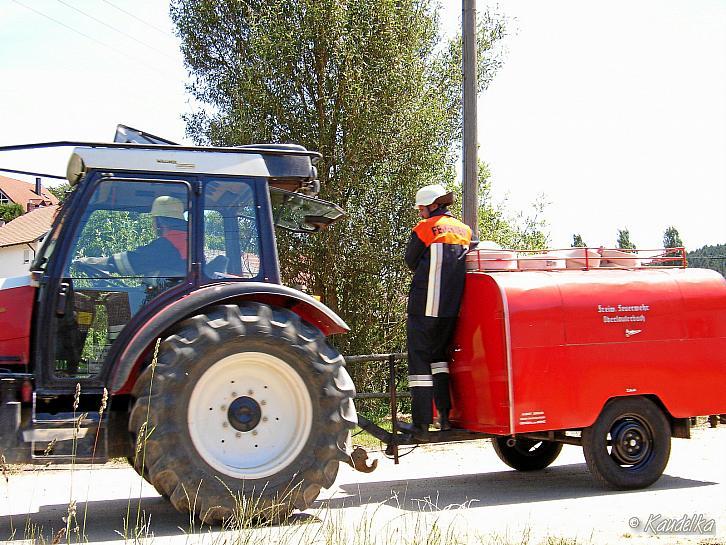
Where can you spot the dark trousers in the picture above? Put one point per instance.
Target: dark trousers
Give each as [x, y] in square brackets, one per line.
[428, 365]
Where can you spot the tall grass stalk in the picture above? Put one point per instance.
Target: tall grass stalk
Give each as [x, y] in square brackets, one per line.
[101, 409]
[144, 432]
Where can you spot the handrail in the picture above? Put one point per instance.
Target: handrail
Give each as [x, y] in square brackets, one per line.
[390, 438]
[507, 260]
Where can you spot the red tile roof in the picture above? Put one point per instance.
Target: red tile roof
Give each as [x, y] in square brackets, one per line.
[28, 227]
[24, 192]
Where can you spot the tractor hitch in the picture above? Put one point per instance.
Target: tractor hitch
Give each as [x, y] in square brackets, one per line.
[358, 461]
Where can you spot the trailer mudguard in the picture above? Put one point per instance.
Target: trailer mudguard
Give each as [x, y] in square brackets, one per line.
[307, 307]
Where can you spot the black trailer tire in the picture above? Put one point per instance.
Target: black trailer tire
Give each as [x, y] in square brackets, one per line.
[249, 414]
[629, 444]
[526, 454]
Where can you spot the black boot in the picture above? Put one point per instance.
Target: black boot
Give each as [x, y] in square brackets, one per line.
[444, 424]
[413, 429]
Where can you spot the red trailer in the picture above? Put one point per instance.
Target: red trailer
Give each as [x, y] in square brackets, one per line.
[546, 350]
[606, 349]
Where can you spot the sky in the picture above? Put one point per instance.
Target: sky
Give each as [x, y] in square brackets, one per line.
[612, 112]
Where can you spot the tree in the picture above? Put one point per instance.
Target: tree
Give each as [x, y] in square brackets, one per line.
[370, 85]
[709, 257]
[624, 239]
[577, 241]
[10, 211]
[61, 191]
[671, 239]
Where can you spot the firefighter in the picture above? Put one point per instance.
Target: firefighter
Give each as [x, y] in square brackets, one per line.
[165, 256]
[436, 255]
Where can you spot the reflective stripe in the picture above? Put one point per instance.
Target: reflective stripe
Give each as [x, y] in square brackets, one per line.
[440, 367]
[420, 381]
[434, 287]
[114, 330]
[123, 265]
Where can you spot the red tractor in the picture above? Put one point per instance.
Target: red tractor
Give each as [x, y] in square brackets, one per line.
[244, 395]
[158, 286]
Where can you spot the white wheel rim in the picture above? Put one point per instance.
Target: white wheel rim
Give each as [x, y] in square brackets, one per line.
[284, 426]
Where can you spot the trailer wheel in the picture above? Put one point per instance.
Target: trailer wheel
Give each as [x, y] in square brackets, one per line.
[249, 414]
[629, 445]
[526, 454]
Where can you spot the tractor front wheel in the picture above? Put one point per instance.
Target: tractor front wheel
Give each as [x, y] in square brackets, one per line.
[247, 413]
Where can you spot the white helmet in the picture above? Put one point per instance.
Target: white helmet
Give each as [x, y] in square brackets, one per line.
[431, 194]
[167, 207]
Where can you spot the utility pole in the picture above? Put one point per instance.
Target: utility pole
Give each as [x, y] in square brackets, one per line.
[469, 205]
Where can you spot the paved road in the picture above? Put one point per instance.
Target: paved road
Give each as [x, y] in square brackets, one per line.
[462, 489]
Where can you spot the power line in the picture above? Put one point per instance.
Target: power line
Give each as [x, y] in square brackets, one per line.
[164, 32]
[154, 69]
[115, 29]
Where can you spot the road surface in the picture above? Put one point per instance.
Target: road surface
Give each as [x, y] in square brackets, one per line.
[461, 492]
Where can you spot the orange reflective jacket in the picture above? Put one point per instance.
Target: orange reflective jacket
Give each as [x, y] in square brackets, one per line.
[435, 253]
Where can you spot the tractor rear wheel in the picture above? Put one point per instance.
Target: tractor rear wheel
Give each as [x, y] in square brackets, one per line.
[526, 454]
[629, 444]
[249, 414]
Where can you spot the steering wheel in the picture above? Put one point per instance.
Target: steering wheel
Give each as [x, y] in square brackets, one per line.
[102, 278]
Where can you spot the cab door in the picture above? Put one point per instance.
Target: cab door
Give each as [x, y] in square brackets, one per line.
[126, 251]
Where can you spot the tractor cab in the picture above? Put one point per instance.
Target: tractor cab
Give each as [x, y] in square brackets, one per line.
[144, 227]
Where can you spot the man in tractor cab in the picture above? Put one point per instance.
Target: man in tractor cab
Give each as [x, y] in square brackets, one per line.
[436, 255]
[166, 256]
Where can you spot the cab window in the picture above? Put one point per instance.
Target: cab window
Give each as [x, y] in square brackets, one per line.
[131, 245]
[231, 234]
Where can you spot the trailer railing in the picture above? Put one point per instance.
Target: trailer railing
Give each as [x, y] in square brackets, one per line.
[491, 259]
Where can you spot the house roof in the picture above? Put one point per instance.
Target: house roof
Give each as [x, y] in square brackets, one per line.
[28, 227]
[24, 192]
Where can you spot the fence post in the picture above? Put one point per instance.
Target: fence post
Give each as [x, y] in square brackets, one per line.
[394, 408]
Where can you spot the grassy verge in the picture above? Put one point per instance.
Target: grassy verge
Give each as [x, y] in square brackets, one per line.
[366, 440]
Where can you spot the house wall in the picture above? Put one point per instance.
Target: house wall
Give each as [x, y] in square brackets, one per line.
[12, 259]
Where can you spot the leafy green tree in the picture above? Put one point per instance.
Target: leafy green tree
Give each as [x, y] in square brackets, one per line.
[577, 241]
[709, 257]
[61, 191]
[624, 240]
[369, 84]
[111, 231]
[10, 211]
[671, 239]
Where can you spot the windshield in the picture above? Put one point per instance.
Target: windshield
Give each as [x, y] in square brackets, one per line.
[301, 214]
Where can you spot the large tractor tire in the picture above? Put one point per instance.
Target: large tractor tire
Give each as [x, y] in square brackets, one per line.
[247, 413]
[629, 444]
[526, 454]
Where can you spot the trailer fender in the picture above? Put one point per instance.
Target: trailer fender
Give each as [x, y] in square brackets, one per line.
[307, 307]
[680, 427]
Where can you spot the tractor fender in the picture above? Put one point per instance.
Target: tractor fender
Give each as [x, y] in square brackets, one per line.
[307, 307]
